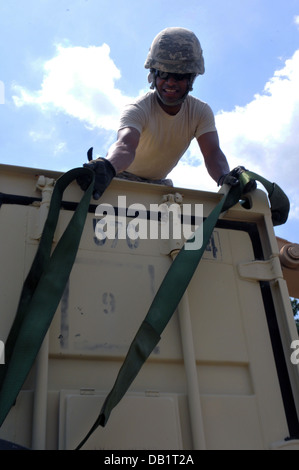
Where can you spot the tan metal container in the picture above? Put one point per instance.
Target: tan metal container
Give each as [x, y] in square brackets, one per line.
[220, 378]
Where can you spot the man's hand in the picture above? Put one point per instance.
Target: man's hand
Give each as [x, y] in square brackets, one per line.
[232, 178]
[104, 173]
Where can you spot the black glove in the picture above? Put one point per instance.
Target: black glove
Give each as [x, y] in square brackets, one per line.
[104, 173]
[232, 178]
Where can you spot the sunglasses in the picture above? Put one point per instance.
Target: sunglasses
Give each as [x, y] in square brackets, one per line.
[177, 76]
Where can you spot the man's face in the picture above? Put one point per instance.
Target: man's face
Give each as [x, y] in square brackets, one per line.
[173, 87]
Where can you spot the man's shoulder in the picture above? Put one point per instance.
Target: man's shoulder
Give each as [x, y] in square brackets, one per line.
[147, 98]
[194, 101]
[136, 113]
[141, 106]
[198, 107]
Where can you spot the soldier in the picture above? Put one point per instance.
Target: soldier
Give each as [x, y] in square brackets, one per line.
[156, 129]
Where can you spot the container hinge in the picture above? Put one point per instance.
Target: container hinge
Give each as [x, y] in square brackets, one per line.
[46, 186]
[268, 270]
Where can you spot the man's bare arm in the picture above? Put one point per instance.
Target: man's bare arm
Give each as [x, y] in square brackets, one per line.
[122, 153]
[215, 160]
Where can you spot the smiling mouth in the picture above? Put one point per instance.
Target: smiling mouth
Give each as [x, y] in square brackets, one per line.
[170, 91]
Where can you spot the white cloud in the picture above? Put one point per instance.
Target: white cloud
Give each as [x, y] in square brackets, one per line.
[263, 136]
[79, 81]
[267, 120]
[186, 175]
[296, 20]
[60, 147]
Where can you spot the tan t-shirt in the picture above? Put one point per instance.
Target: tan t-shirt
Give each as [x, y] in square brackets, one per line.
[164, 138]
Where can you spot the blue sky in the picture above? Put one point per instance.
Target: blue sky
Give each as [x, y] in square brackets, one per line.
[68, 67]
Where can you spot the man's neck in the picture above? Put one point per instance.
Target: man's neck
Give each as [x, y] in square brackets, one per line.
[172, 110]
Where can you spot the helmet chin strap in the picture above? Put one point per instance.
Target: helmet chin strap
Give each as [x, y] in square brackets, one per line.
[172, 103]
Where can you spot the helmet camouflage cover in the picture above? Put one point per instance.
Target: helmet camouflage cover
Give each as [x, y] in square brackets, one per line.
[176, 50]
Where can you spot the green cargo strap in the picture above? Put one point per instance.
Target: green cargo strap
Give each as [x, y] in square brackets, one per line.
[279, 202]
[172, 289]
[45, 283]
[42, 291]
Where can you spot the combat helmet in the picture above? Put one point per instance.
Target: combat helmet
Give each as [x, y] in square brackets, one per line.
[175, 50]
